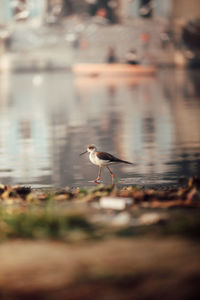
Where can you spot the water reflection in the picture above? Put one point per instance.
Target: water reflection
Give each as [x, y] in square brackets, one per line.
[47, 119]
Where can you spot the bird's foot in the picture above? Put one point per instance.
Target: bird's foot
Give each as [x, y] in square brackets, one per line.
[97, 180]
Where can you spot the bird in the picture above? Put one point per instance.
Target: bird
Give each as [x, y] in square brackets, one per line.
[102, 159]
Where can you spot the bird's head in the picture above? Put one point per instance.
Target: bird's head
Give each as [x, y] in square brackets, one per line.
[90, 148]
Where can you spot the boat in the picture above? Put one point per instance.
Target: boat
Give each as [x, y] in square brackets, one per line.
[95, 82]
[98, 69]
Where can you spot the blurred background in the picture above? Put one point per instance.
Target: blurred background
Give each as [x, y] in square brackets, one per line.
[49, 114]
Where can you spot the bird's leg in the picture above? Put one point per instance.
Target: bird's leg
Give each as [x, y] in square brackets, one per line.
[111, 175]
[98, 177]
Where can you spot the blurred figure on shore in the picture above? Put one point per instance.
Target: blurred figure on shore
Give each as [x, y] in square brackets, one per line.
[166, 36]
[131, 57]
[145, 39]
[111, 56]
[105, 9]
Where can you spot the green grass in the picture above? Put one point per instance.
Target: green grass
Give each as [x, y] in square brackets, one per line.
[43, 223]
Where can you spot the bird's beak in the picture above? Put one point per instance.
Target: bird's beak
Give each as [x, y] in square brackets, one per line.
[83, 152]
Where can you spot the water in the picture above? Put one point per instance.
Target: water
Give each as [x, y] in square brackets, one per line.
[47, 119]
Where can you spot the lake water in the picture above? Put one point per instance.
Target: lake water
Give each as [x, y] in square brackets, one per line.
[47, 119]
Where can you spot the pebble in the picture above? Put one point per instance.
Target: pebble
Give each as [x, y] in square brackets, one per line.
[151, 218]
[122, 219]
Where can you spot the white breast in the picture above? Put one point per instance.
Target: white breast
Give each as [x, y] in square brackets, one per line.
[93, 159]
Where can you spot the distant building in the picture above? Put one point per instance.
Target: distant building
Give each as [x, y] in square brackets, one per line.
[184, 9]
[145, 8]
[21, 10]
[115, 10]
[160, 8]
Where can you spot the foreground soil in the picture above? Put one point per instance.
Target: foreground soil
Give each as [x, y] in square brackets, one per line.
[140, 268]
[101, 243]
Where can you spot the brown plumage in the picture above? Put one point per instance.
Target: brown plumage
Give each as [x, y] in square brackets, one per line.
[111, 158]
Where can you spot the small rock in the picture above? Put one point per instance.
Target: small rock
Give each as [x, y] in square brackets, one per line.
[61, 197]
[122, 219]
[151, 218]
[116, 203]
[22, 191]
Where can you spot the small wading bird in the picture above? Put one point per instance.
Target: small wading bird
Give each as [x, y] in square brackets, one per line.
[102, 159]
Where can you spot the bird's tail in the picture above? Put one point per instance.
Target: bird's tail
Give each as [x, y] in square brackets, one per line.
[125, 161]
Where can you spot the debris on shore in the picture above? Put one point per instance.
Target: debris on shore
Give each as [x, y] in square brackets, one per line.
[163, 197]
[82, 213]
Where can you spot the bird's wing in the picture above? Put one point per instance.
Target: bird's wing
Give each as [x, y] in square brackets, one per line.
[105, 156]
[109, 157]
